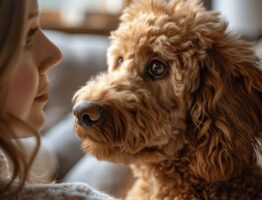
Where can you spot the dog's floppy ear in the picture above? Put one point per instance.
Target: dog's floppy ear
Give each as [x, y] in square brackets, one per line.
[227, 111]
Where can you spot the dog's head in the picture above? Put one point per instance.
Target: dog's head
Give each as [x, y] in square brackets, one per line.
[176, 81]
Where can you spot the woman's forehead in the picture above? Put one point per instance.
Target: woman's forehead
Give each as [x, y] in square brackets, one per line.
[33, 5]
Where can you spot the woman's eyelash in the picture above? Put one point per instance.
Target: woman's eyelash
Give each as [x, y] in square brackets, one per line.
[30, 35]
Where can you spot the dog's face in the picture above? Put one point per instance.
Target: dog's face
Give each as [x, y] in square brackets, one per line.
[143, 94]
[156, 97]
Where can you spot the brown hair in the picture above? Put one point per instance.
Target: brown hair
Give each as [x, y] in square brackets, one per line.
[14, 14]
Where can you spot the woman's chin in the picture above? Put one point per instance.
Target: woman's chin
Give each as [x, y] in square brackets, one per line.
[36, 121]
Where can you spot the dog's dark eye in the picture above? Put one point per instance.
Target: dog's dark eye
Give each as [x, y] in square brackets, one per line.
[156, 69]
[120, 60]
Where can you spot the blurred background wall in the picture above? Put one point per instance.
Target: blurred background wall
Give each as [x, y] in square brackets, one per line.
[244, 16]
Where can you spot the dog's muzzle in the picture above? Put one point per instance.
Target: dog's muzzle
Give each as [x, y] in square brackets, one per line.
[89, 113]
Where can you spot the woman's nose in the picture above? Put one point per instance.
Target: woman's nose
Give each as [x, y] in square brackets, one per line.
[51, 55]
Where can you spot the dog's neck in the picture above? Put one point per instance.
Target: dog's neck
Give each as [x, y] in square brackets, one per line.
[173, 174]
[177, 169]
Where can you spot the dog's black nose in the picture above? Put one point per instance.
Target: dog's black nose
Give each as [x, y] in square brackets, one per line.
[88, 113]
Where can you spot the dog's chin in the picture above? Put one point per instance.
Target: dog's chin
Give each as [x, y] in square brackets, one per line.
[95, 143]
[117, 154]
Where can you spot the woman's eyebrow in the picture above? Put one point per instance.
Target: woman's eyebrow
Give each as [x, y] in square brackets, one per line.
[32, 15]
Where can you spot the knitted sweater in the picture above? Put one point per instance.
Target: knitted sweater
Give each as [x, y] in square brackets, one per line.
[63, 191]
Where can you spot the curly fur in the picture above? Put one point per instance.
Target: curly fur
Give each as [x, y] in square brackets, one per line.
[194, 133]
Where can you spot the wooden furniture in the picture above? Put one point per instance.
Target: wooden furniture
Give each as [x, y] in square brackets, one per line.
[100, 22]
[94, 23]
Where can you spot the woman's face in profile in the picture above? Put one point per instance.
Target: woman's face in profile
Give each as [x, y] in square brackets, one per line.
[28, 93]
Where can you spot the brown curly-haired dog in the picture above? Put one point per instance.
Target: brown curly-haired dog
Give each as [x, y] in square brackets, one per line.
[181, 102]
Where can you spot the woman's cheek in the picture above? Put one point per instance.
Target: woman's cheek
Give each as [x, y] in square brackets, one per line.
[23, 91]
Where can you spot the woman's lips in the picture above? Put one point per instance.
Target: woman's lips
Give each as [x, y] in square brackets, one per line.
[42, 95]
[42, 98]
